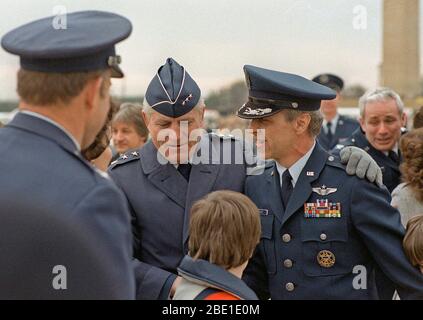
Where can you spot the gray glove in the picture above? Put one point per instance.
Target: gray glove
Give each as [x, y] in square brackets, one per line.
[360, 163]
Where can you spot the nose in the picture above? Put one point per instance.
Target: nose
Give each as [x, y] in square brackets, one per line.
[117, 136]
[383, 130]
[181, 131]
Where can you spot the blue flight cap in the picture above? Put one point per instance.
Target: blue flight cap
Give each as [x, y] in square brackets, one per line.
[172, 92]
[271, 91]
[330, 80]
[85, 43]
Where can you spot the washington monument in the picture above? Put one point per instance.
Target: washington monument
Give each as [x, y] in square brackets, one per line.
[401, 50]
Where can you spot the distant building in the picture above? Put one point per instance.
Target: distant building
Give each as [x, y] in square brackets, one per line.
[400, 69]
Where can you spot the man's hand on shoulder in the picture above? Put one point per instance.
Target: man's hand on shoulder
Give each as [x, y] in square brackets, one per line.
[361, 164]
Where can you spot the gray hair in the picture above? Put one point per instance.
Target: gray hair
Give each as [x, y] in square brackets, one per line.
[148, 110]
[378, 95]
[130, 113]
[316, 120]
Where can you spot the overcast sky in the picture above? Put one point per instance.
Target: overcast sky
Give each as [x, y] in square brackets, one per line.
[213, 39]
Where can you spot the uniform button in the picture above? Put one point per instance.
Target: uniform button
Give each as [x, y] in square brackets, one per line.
[290, 287]
[288, 263]
[331, 158]
[286, 238]
[323, 236]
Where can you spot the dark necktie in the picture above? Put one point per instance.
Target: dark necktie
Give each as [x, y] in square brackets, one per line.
[286, 187]
[185, 170]
[329, 133]
[394, 156]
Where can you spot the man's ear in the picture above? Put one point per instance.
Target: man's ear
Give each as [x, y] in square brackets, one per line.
[203, 112]
[302, 123]
[92, 92]
[145, 118]
[338, 97]
[361, 120]
[404, 119]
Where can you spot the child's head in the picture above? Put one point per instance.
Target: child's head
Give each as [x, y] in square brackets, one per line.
[413, 241]
[224, 229]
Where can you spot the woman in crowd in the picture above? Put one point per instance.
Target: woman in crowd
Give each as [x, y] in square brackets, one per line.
[128, 129]
[408, 196]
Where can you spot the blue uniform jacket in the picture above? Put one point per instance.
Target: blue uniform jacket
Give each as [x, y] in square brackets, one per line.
[367, 233]
[344, 129]
[390, 169]
[41, 166]
[160, 200]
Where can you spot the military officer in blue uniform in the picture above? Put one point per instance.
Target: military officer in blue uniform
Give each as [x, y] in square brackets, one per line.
[323, 232]
[161, 182]
[336, 127]
[161, 190]
[63, 84]
[382, 118]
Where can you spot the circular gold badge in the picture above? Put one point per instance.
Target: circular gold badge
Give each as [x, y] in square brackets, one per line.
[326, 259]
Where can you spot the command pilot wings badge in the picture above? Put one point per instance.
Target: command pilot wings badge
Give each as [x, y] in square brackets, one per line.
[324, 191]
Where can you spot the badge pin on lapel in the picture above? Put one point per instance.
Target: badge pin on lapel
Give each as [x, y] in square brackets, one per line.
[324, 191]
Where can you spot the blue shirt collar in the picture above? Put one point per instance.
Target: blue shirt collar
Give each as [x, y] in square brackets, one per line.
[334, 123]
[296, 169]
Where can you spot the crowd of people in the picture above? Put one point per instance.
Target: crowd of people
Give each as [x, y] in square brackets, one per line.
[141, 202]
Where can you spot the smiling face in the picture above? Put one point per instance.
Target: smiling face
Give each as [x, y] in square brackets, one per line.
[172, 134]
[126, 137]
[382, 124]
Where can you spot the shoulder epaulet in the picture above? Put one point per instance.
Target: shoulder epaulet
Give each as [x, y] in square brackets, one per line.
[347, 143]
[340, 146]
[334, 161]
[125, 158]
[348, 118]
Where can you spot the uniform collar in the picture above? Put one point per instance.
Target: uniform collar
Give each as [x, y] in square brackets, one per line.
[42, 117]
[303, 188]
[394, 149]
[46, 129]
[296, 169]
[334, 123]
[359, 139]
[204, 273]
[152, 159]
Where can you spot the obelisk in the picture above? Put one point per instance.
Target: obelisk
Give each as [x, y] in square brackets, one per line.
[400, 68]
